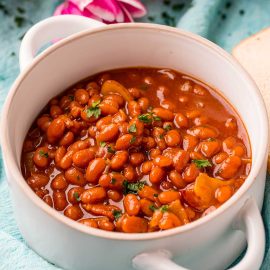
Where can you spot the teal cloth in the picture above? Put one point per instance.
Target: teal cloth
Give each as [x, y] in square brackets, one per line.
[222, 21]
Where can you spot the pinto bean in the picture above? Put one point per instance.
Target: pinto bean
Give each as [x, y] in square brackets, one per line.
[95, 169]
[75, 177]
[101, 210]
[37, 180]
[74, 212]
[59, 200]
[55, 130]
[132, 224]
[164, 114]
[167, 197]
[82, 158]
[156, 175]
[229, 167]
[59, 182]
[108, 133]
[93, 195]
[119, 159]
[131, 205]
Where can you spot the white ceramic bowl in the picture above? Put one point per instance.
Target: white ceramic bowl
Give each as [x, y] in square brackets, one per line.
[212, 242]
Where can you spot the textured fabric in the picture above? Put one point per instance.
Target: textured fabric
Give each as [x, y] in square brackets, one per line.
[222, 21]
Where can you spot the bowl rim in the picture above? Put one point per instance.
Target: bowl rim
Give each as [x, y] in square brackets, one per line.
[10, 160]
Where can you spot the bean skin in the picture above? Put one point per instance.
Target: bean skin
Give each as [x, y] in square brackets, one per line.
[59, 200]
[114, 195]
[156, 175]
[164, 114]
[129, 173]
[223, 194]
[131, 205]
[108, 133]
[162, 161]
[82, 158]
[74, 195]
[55, 130]
[48, 199]
[95, 169]
[106, 225]
[75, 177]
[181, 120]
[189, 142]
[190, 173]
[136, 158]
[37, 180]
[177, 179]
[119, 159]
[101, 210]
[173, 138]
[145, 206]
[93, 195]
[103, 122]
[147, 167]
[90, 222]
[229, 167]
[132, 224]
[41, 157]
[148, 192]
[168, 221]
[59, 182]
[210, 148]
[167, 197]
[124, 142]
[66, 161]
[67, 139]
[74, 212]
[81, 96]
[203, 132]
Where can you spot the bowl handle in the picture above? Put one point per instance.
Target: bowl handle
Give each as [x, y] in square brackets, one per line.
[249, 221]
[52, 28]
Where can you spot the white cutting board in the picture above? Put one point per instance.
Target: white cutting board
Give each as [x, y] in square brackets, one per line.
[253, 54]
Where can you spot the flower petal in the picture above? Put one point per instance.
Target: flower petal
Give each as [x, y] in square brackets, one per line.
[67, 8]
[81, 4]
[127, 15]
[134, 7]
[108, 10]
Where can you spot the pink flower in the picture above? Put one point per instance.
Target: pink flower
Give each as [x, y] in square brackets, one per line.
[107, 11]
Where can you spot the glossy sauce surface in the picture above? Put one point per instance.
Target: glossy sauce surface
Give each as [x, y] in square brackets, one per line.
[136, 150]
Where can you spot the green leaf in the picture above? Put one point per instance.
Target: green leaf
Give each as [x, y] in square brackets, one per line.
[132, 187]
[132, 128]
[113, 181]
[110, 149]
[161, 136]
[71, 97]
[145, 118]
[76, 196]
[156, 118]
[102, 144]
[202, 163]
[133, 140]
[94, 110]
[43, 154]
[117, 214]
[168, 127]
[152, 207]
[164, 208]
[155, 195]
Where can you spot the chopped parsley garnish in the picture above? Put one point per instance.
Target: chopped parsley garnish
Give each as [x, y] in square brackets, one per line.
[76, 196]
[148, 118]
[43, 154]
[155, 195]
[71, 97]
[102, 144]
[93, 110]
[117, 214]
[152, 207]
[132, 128]
[133, 140]
[113, 181]
[110, 149]
[202, 163]
[164, 208]
[168, 127]
[161, 136]
[132, 187]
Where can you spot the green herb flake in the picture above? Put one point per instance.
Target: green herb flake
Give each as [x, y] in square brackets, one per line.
[117, 214]
[93, 110]
[145, 118]
[71, 97]
[133, 140]
[102, 144]
[113, 181]
[110, 149]
[76, 196]
[161, 136]
[132, 187]
[132, 128]
[43, 154]
[202, 163]
[155, 195]
[168, 127]
[156, 118]
[152, 208]
[164, 208]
